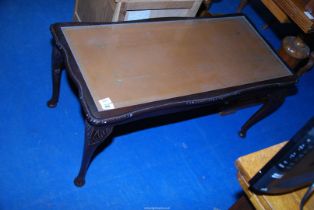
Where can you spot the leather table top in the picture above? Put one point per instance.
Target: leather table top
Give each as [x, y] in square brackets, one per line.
[134, 63]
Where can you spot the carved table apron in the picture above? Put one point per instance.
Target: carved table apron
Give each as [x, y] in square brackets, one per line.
[130, 71]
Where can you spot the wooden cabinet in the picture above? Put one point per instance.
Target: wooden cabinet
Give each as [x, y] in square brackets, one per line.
[122, 10]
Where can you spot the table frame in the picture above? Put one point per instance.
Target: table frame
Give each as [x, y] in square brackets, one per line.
[99, 125]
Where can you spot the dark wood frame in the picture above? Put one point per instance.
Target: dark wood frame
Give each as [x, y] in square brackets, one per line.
[99, 125]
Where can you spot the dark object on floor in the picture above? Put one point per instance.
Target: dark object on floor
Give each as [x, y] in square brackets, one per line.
[135, 70]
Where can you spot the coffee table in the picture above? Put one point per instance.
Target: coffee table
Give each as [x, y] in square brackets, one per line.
[133, 70]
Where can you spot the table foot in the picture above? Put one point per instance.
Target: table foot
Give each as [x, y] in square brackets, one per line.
[57, 66]
[94, 136]
[242, 134]
[79, 181]
[272, 103]
[52, 103]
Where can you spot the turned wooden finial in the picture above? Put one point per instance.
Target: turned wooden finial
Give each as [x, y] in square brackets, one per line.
[293, 51]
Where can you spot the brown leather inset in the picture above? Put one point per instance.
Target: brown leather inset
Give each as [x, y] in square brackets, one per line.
[144, 62]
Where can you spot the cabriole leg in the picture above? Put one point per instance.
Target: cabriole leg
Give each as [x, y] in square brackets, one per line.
[57, 65]
[272, 103]
[94, 136]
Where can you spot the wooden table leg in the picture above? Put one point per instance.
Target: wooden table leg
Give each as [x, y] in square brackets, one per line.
[204, 9]
[271, 104]
[57, 66]
[94, 136]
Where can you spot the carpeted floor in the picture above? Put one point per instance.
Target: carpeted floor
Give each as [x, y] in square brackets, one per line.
[181, 165]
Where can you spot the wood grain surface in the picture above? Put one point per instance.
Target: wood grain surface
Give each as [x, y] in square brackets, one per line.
[295, 10]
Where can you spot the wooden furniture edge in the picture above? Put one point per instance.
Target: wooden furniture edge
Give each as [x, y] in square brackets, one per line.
[265, 202]
[297, 15]
[258, 201]
[276, 11]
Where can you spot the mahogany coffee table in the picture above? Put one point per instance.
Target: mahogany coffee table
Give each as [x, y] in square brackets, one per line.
[134, 70]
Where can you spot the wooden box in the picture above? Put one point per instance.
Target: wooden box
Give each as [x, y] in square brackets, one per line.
[122, 10]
